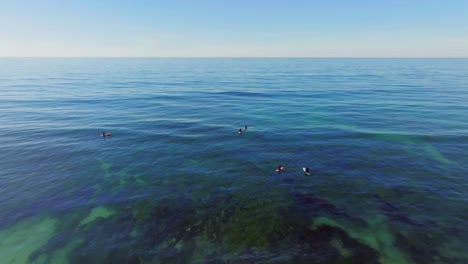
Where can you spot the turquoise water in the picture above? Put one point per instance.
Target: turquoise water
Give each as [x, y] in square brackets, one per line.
[386, 141]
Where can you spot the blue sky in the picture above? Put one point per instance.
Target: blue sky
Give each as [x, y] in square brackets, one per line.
[235, 28]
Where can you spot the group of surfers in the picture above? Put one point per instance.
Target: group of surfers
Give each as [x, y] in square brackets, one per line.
[240, 130]
[280, 168]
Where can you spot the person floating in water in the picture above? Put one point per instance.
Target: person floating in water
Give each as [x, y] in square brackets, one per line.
[280, 168]
[104, 134]
[245, 127]
[240, 131]
[306, 170]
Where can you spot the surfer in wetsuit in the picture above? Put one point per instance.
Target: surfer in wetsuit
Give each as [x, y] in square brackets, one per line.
[306, 170]
[245, 127]
[103, 134]
[280, 168]
[240, 131]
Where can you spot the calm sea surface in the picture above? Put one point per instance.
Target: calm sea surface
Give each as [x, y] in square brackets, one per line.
[386, 141]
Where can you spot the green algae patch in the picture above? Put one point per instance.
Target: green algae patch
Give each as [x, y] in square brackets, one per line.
[251, 229]
[203, 249]
[436, 155]
[98, 212]
[105, 167]
[18, 242]
[338, 245]
[408, 141]
[60, 255]
[252, 224]
[377, 236]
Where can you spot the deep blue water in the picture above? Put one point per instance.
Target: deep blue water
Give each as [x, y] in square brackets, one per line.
[386, 141]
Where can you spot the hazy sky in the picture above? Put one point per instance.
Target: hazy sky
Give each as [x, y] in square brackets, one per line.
[234, 28]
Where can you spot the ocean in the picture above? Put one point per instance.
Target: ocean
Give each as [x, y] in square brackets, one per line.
[386, 141]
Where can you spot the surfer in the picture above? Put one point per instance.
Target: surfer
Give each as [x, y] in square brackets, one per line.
[104, 134]
[245, 127]
[240, 131]
[280, 168]
[306, 170]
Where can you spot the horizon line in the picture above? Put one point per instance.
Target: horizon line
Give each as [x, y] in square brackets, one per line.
[220, 57]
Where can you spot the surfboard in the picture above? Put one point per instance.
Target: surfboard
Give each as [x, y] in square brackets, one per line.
[304, 169]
